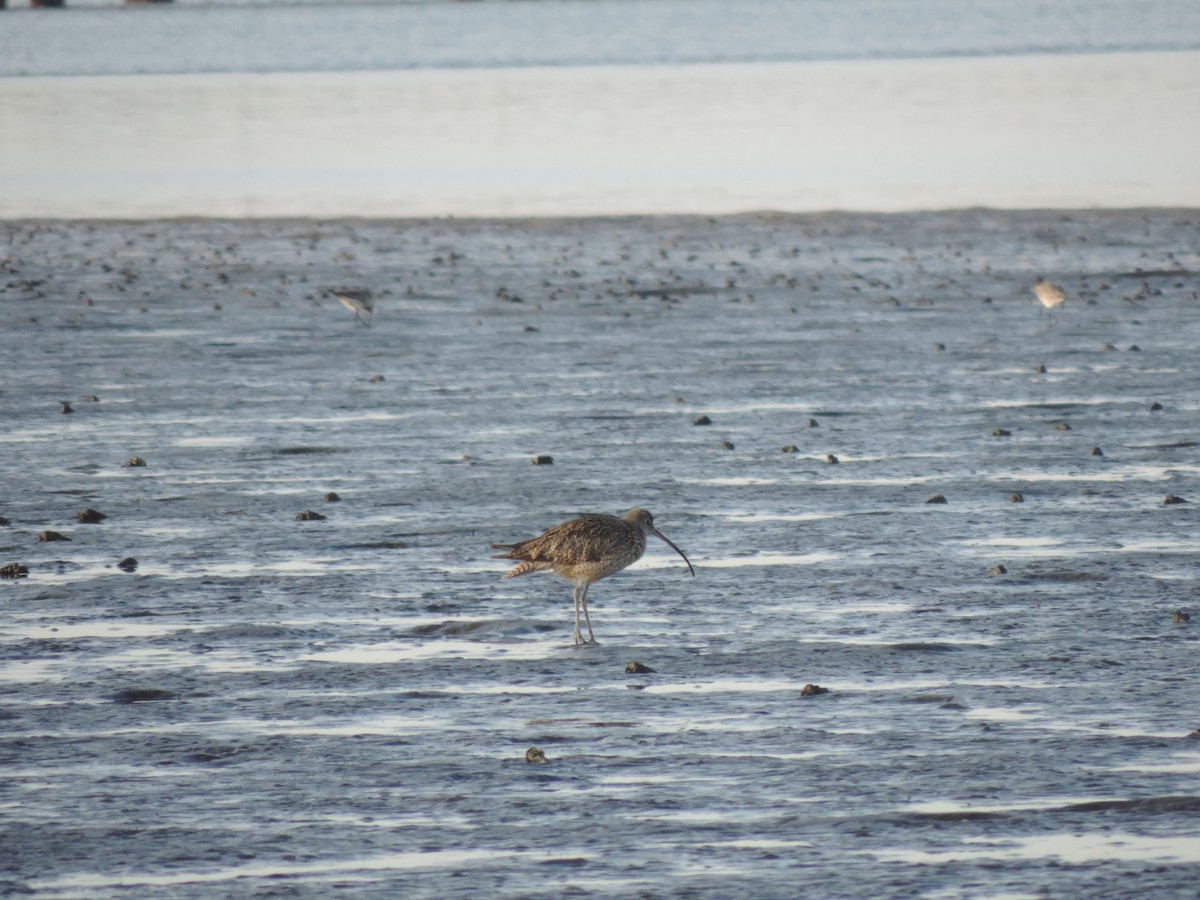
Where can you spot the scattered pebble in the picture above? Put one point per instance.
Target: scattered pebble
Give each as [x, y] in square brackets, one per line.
[134, 462]
[1062, 426]
[66, 407]
[309, 516]
[789, 448]
[543, 460]
[4, 521]
[636, 668]
[812, 423]
[1001, 432]
[90, 516]
[813, 690]
[1181, 617]
[332, 497]
[529, 328]
[90, 398]
[1134, 348]
[831, 459]
[1096, 451]
[998, 570]
[937, 498]
[1040, 369]
[1172, 499]
[1017, 497]
[727, 445]
[128, 564]
[46, 536]
[1155, 406]
[1110, 348]
[376, 379]
[14, 570]
[535, 755]
[702, 420]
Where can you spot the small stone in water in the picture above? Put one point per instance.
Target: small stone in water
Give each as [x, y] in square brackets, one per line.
[309, 516]
[543, 460]
[90, 516]
[535, 755]
[128, 564]
[937, 498]
[813, 690]
[134, 462]
[46, 536]
[636, 668]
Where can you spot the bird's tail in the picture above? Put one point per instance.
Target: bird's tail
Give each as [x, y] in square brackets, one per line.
[525, 566]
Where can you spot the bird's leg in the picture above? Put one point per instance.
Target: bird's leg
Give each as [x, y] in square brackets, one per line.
[586, 617]
[575, 597]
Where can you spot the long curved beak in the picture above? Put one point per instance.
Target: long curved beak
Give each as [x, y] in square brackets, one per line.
[662, 537]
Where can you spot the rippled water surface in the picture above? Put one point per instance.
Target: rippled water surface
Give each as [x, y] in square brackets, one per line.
[268, 706]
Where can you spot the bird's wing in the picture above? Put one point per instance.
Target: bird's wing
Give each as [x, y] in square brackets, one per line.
[582, 540]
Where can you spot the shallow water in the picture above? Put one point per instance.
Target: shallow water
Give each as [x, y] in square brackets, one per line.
[607, 107]
[106, 37]
[348, 701]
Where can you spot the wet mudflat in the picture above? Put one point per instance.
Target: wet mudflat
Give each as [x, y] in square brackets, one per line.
[273, 706]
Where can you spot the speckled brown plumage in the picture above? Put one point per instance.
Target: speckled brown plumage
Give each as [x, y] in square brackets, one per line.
[585, 550]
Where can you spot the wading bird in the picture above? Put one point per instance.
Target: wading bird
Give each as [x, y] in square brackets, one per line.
[584, 550]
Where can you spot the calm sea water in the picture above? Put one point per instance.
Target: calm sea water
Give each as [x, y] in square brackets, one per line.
[344, 705]
[546, 108]
[192, 36]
